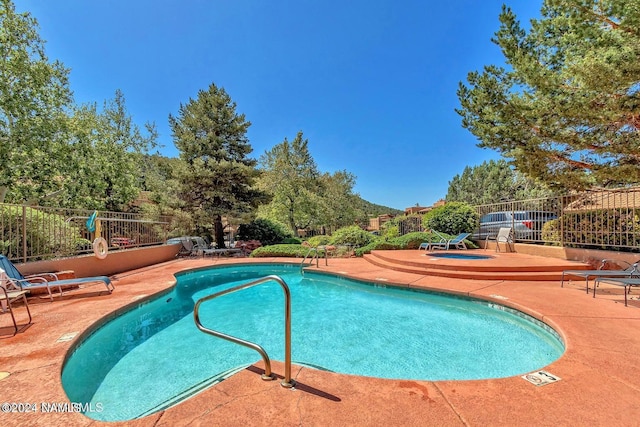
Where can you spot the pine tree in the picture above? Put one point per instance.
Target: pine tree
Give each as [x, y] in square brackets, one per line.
[566, 109]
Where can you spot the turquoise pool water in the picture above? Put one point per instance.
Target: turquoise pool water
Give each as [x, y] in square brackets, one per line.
[153, 356]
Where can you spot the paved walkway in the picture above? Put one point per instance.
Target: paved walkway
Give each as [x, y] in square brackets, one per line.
[599, 386]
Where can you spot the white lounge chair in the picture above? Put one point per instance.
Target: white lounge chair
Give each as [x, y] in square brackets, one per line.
[456, 242]
[427, 246]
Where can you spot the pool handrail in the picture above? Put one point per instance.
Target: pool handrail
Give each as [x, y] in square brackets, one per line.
[315, 256]
[287, 382]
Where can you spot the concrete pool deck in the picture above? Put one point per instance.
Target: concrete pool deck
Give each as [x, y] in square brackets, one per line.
[600, 381]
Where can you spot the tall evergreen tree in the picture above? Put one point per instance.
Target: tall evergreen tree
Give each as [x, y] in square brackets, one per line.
[219, 177]
[567, 108]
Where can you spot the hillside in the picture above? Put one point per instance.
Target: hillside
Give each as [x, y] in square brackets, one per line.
[373, 209]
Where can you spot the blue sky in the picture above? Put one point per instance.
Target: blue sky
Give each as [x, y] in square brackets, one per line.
[371, 84]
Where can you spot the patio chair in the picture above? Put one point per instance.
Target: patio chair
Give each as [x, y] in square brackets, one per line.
[20, 282]
[7, 297]
[185, 245]
[505, 235]
[626, 283]
[455, 243]
[427, 246]
[458, 241]
[587, 274]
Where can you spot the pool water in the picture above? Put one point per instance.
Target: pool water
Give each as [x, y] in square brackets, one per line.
[154, 356]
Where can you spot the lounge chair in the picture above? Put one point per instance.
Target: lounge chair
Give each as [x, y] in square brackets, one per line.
[587, 274]
[456, 242]
[22, 283]
[626, 283]
[9, 296]
[427, 246]
[505, 235]
[187, 245]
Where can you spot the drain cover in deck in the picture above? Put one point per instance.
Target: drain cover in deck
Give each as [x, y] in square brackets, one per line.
[541, 378]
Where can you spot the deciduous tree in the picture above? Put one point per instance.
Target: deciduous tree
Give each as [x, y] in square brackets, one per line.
[303, 197]
[290, 174]
[566, 108]
[103, 156]
[34, 95]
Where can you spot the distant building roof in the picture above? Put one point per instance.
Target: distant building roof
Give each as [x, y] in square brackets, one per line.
[628, 198]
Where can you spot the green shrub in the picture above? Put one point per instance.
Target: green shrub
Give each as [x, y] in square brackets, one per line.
[413, 240]
[352, 235]
[408, 241]
[551, 232]
[320, 240]
[453, 218]
[266, 231]
[292, 241]
[282, 250]
[390, 229]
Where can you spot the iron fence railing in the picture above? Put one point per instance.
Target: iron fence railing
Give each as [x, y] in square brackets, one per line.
[29, 233]
[410, 224]
[598, 219]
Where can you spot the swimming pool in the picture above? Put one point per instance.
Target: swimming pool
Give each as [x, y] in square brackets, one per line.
[153, 356]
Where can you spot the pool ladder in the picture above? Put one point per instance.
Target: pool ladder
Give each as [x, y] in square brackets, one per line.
[315, 256]
[287, 382]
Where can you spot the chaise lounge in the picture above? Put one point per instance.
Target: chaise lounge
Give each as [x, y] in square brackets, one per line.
[446, 244]
[429, 245]
[587, 274]
[7, 297]
[22, 283]
[626, 283]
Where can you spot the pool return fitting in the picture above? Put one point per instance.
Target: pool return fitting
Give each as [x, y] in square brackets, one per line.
[267, 376]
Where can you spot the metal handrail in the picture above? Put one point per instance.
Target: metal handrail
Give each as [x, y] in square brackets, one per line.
[287, 382]
[315, 256]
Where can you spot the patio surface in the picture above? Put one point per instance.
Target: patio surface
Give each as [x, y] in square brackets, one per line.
[599, 386]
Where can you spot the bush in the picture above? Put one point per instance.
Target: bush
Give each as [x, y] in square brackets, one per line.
[316, 241]
[376, 245]
[408, 241]
[413, 240]
[352, 235]
[292, 241]
[453, 218]
[296, 251]
[268, 232]
[551, 232]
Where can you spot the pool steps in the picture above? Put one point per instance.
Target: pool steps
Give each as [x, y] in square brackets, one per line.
[499, 267]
